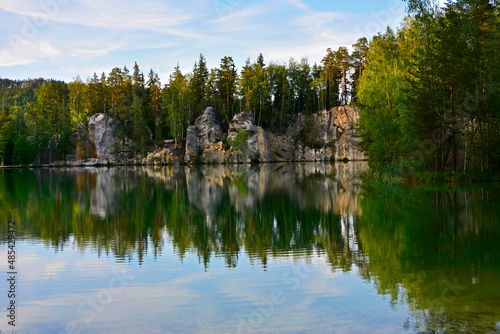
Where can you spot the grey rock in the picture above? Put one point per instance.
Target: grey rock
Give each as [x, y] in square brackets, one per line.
[330, 128]
[170, 154]
[296, 125]
[207, 129]
[258, 147]
[214, 153]
[282, 146]
[103, 131]
[347, 147]
[241, 121]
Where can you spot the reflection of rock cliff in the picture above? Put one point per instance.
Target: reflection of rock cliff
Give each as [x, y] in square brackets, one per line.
[325, 187]
[103, 197]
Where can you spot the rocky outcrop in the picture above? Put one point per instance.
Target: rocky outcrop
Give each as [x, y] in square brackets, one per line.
[347, 147]
[324, 136]
[170, 154]
[206, 131]
[103, 133]
[208, 142]
[256, 147]
[241, 121]
[330, 135]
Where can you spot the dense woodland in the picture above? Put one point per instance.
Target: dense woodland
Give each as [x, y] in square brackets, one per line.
[427, 94]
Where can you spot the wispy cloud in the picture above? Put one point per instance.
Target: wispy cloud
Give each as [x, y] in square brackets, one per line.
[88, 35]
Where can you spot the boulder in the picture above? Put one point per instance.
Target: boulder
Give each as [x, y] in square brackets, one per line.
[103, 133]
[241, 121]
[296, 125]
[324, 127]
[214, 153]
[345, 117]
[329, 128]
[170, 154]
[207, 129]
[265, 152]
[257, 147]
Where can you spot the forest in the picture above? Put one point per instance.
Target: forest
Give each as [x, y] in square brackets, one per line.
[427, 94]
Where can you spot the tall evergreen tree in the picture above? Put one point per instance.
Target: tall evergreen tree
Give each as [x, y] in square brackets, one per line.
[358, 61]
[227, 76]
[197, 87]
[154, 92]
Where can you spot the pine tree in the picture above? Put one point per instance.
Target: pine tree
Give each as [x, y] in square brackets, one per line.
[77, 95]
[154, 89]
[343, 61]
[176, 101]
[331, 75]
[197, 87]
[227, 76]
[358, 61]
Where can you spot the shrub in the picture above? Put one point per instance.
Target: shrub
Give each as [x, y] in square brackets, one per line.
[240, 140]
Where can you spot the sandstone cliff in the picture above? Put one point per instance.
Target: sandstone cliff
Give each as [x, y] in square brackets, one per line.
[325, 136]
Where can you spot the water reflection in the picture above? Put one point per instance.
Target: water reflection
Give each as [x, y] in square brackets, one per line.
[433, 250]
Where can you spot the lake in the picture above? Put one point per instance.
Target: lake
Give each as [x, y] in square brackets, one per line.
[271, 248]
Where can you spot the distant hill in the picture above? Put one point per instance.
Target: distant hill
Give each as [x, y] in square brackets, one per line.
[18, 92]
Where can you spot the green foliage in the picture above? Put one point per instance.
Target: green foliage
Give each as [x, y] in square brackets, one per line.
[239, 142]
[45, 147]
[24, 151]
[64, 146]
[176, 104]
[8, 137]
[226, 86]
[308, 133]
[428, 96]
[358, 62]
[197, 88]
[141, 133]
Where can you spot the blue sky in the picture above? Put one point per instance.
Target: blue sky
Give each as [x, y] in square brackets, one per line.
[64, 38]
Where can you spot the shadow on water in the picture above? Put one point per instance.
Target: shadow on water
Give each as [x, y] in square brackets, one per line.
[435, 250]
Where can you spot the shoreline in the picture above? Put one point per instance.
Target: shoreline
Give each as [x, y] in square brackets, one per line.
[114, 164]
[427, 178]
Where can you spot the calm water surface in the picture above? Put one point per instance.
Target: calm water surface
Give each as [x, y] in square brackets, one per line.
[297, 248]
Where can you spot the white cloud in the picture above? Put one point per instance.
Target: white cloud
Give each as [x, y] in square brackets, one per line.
[7, 59]
[48, 50]
[27, 52]
[89, 35]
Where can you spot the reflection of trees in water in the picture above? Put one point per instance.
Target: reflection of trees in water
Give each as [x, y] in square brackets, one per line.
[436, 252]
[269, 210]
[415, 246]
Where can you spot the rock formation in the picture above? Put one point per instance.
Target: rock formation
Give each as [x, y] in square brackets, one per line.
[325, 136]
[171, 153]
[103, 132]
[206, 131]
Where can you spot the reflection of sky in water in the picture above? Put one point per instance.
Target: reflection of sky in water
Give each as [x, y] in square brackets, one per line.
[166, 295]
